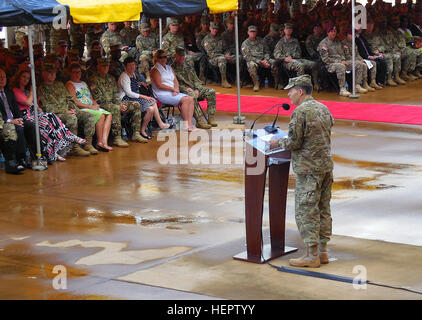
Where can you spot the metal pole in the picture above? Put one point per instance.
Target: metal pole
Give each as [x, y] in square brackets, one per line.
[239, 119]
[160, 27]
[39, 165]
[353, 95]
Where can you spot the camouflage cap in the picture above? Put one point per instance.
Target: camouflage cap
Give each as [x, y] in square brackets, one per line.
[180, 51]
[303, 79]
[252, 28]
[145, 26]
[103, 62]
[288, 26]
[205, 20]
[49, 67]
[214, 25]
[173, 22]
[274, 27]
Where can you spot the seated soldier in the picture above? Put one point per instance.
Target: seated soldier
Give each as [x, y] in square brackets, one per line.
[190, 84]
[146, 44]
[104, 90]
[289, 53]
[54, 97]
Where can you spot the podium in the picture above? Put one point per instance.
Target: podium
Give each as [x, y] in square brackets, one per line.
[259, 160]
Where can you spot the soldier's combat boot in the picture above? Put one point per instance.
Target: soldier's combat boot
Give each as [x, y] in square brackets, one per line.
[417, 73]
[119, 142]
[255, 83]
[138, 138]
[200, 123]
[323, 253]
[224, 82]
[390, 81]
[211, 120]
[343, 92]
[311, 259]
[411, 76]
[400, 78]
[359, 89]
[77, 151]
[202, 77]
[367, 87]
[374, 85]
[89, 147]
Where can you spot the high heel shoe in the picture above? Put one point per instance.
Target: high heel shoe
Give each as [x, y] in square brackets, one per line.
[101, 147]
[146, 137]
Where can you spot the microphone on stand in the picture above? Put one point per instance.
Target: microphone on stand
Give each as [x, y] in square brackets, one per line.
[250, 130]
[273, 128]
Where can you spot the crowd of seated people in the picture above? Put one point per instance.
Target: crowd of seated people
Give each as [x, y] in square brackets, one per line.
[83, 97]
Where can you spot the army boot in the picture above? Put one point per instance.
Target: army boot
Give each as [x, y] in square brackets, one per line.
[359, 89]
[323, 253]
[77, 151]
[211, 120]
[119, 142]
[417, 73]
[200, 123]
[224, 82]
[255, 82]
[401, 78]
[367, 87]
[374, 85]
[344, 93]
[138, 138]
[411, 76]
[89, 147]
[315, 80]
[390, 81]
[311, 259]
[202, 76]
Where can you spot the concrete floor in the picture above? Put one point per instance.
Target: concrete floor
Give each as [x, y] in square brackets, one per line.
[126, 227]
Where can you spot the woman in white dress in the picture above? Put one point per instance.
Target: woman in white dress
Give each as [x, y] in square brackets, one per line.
[165, 88]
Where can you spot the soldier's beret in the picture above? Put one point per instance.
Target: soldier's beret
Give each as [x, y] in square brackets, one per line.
[103, 62]
[288, 26]
[180, 51]
[213, 25]
[62, 43]
[331, 27]
[303, 79]
[173, 22]
[49, 67]
[145, 26]
[275, 27]
[252, 28]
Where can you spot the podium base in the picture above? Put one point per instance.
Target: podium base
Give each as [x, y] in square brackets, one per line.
[267, 254]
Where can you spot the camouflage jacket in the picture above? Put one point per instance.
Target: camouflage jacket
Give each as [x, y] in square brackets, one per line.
[309, 138]
[213, 46]
[390, 41]
[171, 41]
[331, 51]
[255, 50]
[186, 76]
[347, 48]
[401, 40]
[55, 98]
[287, 48]
[271, 42]
[129, 36]
[311, 44]
[375, 41]
[229, 42]
[146, 45]
[199, 37]
[109, 38]
[104, 89]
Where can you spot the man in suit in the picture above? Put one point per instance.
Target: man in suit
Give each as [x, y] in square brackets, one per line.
[13, 130]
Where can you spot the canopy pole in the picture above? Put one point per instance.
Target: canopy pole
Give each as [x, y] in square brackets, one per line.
[239, 119]
[353, 95]
[39, 165]
[160, 27]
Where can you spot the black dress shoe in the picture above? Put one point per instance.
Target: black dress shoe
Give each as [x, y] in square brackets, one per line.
[146, 137]
[11, 167]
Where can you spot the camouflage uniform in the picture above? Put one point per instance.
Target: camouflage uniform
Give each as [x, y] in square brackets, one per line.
[56, 99]
[104, 91]
[311, 44]
[414, 55]
[129, 39]
[392, 59]
[229, 45]
[199, 37]
[214, 48]
[145, 46]
[108, 38]
[7, 131]
[332, 55]
[309, 140]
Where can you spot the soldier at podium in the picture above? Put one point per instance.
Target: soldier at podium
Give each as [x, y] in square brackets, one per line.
[309, 140]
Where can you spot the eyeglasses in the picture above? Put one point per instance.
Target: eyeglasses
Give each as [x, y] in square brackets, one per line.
[162, 57]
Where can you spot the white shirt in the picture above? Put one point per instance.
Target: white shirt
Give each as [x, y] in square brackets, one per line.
[167, 78]
[123, 84]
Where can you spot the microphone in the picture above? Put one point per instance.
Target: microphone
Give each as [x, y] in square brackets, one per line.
[276, 105]
[273, 128]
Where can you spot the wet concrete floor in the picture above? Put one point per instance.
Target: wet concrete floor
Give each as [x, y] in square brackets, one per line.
[127, 227]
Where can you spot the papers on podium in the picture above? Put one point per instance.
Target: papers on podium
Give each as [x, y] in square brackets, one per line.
[261, 140]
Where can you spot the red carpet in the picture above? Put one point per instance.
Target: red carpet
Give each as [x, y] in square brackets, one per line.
[388, 113]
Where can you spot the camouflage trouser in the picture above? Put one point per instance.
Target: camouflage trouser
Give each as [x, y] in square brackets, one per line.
[419, 58]
[372, 71]
[393, 61]
[116, 122]
[300, 65]
[144, 62]
[197, 56]
[209, 95]
[221, 63]
[312, 207]
[340, 69]
[134, 108]
[253, 68]
[408, 56]
[9, 132]
[71, 121]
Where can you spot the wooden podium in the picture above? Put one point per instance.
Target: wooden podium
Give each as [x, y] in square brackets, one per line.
[258, 160]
